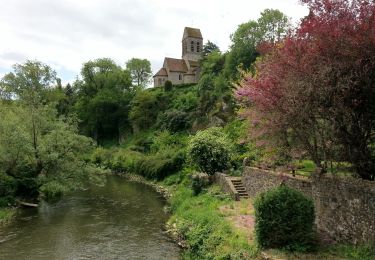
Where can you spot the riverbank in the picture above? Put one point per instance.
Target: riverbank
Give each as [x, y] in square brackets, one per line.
[213, 226]
[197, 223]
[6, 215]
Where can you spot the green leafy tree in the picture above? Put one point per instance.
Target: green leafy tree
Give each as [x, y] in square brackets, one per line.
[271, 27]
[208, 48]
[29, 82]
[140, 71]
[36, 147]
[103, 98]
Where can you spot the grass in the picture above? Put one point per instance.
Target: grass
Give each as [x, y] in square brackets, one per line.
[204, 228]
[213, 226]
[6, 215]
[333, 252]
[308, 167]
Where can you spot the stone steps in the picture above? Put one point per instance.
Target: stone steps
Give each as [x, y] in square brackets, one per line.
[237, 183]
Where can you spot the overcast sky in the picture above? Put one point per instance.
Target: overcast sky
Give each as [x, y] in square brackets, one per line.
[67, 33]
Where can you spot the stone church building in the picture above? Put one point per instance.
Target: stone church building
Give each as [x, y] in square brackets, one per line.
[185, 70]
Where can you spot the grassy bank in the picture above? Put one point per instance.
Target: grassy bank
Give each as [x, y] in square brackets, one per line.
[6, 215]
[200, 224]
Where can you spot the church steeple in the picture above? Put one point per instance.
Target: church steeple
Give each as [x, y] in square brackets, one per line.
[192, 42]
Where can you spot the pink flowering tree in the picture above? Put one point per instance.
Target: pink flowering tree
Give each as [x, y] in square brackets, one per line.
[315, 90]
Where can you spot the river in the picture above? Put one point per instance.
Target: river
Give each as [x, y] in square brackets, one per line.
[121, 220]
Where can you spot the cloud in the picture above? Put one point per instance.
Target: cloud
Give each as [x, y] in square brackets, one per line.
[67, 33]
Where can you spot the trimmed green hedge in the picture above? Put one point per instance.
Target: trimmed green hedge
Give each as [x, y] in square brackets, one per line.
[284, 219]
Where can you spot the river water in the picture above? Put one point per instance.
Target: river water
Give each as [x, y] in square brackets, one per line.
[122, 220]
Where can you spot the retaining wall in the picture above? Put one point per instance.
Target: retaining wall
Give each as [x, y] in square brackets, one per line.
[344, 207]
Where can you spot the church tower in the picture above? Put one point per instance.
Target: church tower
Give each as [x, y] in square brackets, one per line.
[192, 43]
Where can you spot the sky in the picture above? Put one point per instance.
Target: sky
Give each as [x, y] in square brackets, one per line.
[66, 33]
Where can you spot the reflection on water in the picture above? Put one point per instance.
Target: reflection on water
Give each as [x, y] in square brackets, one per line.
[122, 220]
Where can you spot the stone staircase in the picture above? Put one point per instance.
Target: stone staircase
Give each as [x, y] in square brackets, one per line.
[237, 183]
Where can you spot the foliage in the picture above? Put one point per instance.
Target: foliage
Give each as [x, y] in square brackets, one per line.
[360, 252]
[174, 120]
[284, 219]
[160, 165]
[215, 92]
[8, 186]
[103, 97]
[140, 71]
[207, 234]
[314, 93]
[270, 28]
[6, 214]
[210, 150]
[209, 48]
[52, 191]
[144, 110]
[168, 86]
[199, 181]
[28, 82]
[36, 146]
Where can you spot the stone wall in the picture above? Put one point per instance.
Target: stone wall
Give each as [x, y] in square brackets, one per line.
[226, 185]
[344, 207]
[257, 180]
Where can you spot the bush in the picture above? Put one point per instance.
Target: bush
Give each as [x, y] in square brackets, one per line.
[52, 191]
[7, 185]
[160, 165]
[284, 219]
[210, 150]
[168, 86]
[174, 120]
[199, 181]
[101, 156]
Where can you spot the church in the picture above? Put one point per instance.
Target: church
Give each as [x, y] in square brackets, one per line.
[185, 70]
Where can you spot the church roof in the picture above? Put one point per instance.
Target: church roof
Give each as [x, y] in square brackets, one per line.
[161, 72]
[192, 32]
[178, 65]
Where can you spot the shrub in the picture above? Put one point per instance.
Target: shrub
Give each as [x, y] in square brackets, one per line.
[7, 185]
[101, 156]
[174, 120]
[52, 191]
[284, 219]
[199, 181]
[168, 86]
[160, 165]
[210, 150]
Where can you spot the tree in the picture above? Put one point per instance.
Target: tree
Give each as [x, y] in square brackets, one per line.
[29, 83]
[103, 98]
[208, 48]
[271, 27]
[140, 71]
[36, 147]
[317, 88]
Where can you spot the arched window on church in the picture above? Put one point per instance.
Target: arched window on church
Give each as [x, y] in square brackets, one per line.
[159, 81]
[179, 77]
[198, 47]
[192, 46]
